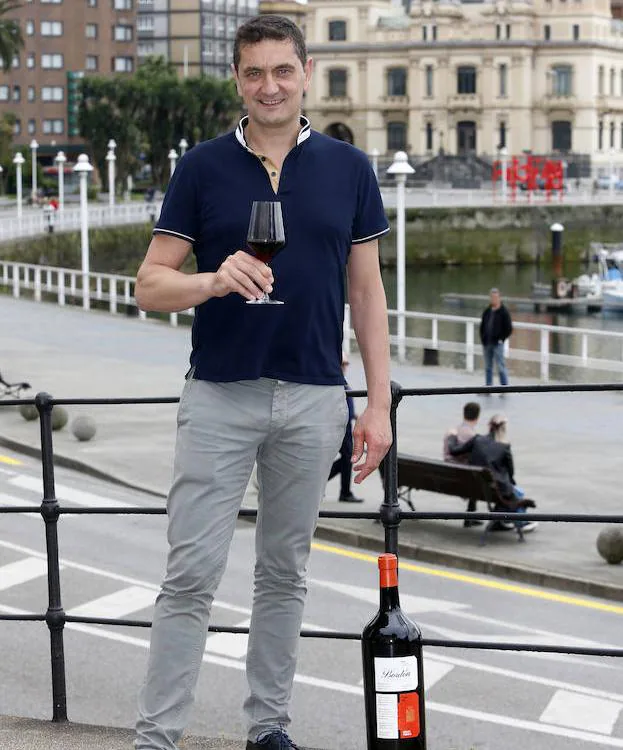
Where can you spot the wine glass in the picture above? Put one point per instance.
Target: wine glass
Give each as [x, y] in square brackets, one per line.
[266, 237]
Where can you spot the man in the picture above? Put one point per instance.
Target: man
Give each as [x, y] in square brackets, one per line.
[265, 381]
[495, 328]
[343, 465]
[464, 432]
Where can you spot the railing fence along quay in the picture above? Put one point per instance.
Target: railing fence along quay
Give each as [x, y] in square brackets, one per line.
[532, 342]
[390, 515]
[41, 221]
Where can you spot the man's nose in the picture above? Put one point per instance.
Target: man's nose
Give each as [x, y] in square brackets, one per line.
[270, 85]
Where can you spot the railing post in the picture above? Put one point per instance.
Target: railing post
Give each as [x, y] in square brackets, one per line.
[37, 284]
[435, 334]
[584, 349]
[16, 280]
[48, 279]
[390, 508]
[469, 346]
[112, 295]
[545, 356]
[60, 287]
[55, 615]
[98, 287]
[173, 319]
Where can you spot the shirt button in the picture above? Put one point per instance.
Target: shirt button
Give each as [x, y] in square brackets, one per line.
[263, 158]
[273, 174]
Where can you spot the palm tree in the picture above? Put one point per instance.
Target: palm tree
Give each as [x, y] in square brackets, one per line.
[11, 39]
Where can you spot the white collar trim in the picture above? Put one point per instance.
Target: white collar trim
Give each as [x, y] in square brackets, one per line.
[304, 132]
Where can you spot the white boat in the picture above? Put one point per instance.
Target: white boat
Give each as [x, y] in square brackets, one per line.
[606, 282]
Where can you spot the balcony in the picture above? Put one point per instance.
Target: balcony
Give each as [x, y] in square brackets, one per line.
[342, 104]
[559, 101]
[607, 103]
[465, 102]
[394, 103]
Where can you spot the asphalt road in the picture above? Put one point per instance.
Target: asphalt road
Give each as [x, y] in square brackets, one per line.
[112, 565]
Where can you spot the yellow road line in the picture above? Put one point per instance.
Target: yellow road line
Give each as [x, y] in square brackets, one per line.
[10, 461]
[476, 581]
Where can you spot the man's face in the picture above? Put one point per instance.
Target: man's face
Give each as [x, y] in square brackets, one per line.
[271, 81]
[495, 300]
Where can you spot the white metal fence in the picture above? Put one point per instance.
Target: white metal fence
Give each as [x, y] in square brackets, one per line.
[545, 345]
[39, 221]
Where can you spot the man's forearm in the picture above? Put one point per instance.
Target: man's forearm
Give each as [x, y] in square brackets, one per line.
[163, 289]
[369, 317]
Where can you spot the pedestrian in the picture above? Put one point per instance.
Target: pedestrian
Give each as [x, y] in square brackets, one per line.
[464, 432]
[495, 327]
[265, 381]
[343, 465]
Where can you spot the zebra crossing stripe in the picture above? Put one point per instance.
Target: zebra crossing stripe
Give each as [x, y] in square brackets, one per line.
[118, 604]
[567, 709]
[22, 571]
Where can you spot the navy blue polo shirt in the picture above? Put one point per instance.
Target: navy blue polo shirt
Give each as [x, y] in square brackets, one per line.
[330, 201]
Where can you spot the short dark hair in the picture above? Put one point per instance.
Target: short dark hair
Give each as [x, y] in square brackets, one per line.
[275, 27]
[471, 411]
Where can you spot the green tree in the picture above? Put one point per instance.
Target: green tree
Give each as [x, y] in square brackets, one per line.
[11, 39]
[7, 122]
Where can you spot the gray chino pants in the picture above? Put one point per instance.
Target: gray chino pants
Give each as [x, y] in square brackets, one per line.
[294, 432]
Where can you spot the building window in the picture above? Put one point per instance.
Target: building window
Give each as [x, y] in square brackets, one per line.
[55, 126]
[91, 31]
[4, 93]
[147, 48]
[396, 136]
[466, 79]
[397, 82]
[621, 82]
[91, 62]
[600, 136]
[32, 94]
[429, 80]
[503, 80]
[502, 135]
[123, 64]
[337, 31]
[508, 31]
[576, 32]
[429, 136]
[123, 33]
[91, 3]
[434, 32]
[622, 135]
[424, 33]
[30, 60]
[562, 80]
[15, 63]
[122, 4]
[32, 127]
[17, 93]
[51, 2]
[146, 23]
[51, 28]
[612, 81]
[49, 62]
[52, 93]
[600, 80]
[498, 31]
[612, 127]
[30, 28]
[561, 135]
[17, 127]
[337, 82]
[547, 32]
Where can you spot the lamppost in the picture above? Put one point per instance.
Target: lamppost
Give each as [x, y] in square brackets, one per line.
[375, 162]
[172, 160]
[111, 159]
[1, 182]
[83, 168]
[400, 168]
[33, 148]
[19, 160]
[611, 181]
[503, 155]
[183, 144]
[60, 160]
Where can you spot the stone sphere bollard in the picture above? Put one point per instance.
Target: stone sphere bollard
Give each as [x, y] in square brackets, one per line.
[83, 428]
[28, 411]
[610, 544]
[59, 417]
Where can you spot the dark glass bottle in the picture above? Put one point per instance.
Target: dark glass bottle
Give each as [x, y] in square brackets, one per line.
[392, 671]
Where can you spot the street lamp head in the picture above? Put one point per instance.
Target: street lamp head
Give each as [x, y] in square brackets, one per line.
[83, 164]
[183, 143]
[34, 145]
[172, 154]
[60, 157]
[18, 159]
[375, 152]
[110, 156]
[400, 165]
[112, 144]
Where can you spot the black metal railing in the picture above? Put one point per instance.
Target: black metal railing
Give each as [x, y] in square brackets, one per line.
[389, 514]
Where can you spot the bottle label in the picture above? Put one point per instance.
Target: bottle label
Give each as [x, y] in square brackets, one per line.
[395, 675]
[397, 716]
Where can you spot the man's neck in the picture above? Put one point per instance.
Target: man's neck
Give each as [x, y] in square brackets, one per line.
[272, 140]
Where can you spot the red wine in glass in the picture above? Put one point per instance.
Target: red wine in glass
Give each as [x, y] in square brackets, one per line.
[266, 237]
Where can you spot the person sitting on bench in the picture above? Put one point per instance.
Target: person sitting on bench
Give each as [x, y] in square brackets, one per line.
[494, 452]
[464, 432]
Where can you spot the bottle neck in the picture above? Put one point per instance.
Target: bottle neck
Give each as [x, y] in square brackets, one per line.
[389, 598]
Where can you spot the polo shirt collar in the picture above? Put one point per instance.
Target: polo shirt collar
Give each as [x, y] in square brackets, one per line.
[303, 135]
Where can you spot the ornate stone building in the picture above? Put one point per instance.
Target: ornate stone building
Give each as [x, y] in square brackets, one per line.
[544, 76]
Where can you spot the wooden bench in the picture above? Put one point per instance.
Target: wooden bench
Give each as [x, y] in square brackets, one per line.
[468, 482]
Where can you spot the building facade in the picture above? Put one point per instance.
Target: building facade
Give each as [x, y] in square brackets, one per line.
[540, 76]
[64, 39]
[197, 36]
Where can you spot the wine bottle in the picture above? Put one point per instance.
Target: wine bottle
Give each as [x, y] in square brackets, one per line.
[392, 671]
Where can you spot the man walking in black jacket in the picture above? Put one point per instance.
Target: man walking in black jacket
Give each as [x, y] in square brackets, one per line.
[495, 328]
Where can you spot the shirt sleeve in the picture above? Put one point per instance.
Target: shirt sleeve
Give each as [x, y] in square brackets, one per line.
[370, 221]
[179, 215]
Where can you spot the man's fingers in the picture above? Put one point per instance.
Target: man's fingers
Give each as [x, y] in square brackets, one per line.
[358, 444]
[245, 275]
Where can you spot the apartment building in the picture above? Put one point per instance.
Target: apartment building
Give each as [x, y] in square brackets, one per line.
[64, 39]
[197, 36]
[469, 77]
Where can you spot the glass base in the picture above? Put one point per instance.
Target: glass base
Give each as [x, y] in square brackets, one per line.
[266, 300]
